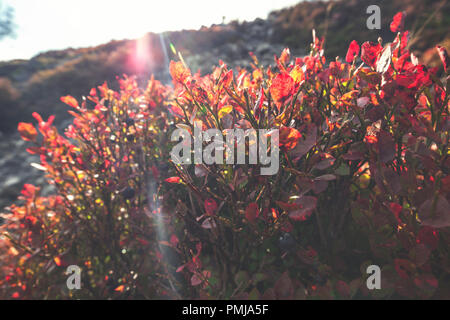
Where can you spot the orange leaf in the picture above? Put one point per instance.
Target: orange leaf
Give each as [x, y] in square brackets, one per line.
[282, 89]
[285, 56]
[71, 101]
[57, 261]
[27, 131]
[179, 72]
[289, 137]
[120, 288]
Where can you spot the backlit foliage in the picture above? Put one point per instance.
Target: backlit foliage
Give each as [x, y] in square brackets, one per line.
[363, 180]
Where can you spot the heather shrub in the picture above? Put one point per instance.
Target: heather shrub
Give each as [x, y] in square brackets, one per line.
[362, 180]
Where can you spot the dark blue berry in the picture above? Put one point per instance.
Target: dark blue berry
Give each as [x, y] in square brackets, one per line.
[128, 193]
[286, 241]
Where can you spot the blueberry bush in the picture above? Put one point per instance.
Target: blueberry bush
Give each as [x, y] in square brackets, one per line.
[362, 180]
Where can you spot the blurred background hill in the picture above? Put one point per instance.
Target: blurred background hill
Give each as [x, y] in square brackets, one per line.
[37, 84]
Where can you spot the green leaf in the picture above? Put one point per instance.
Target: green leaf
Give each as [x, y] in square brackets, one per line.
[343, 170]
[258, 277]
[254, 294]
[241, 277]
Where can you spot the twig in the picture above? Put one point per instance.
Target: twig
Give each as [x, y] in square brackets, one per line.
[321, 233]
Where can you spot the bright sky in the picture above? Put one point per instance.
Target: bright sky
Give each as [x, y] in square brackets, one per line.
[44, 25]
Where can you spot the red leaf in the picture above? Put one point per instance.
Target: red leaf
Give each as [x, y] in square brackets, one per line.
[304, 207]
[420, 254]
[436, 214]
[404, 268]
[303, 146]
[324, 164]
[195, 280]
[35, 150]
[326, 177]
[385, 146]
[398, 22]
[252, 212]
[210, 206]
[369, 52]
[176, 110]
[71, 101]
[354, 153]
[29, 190]
[396, 209]
[320, 186]
[180, 268]
[155, 172]
[426, 282]
[445, 185]
[269, 294]
[353, 51]
[282, 89]
[343, 289]
[286, 206]
[27, 131]
[428, 236]
[283, 287]
[173, 180]
[37, 116]
[227, 78]
[174, 240]
[443, 55]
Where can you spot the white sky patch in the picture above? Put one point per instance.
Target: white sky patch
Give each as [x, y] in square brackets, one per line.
[44, 25]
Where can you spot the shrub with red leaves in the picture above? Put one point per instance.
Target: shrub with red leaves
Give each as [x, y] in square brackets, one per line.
[363, 179]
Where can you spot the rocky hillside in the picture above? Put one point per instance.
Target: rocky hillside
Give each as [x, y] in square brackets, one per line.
[36, 84]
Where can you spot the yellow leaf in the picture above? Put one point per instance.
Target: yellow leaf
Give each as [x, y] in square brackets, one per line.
[225, 110]
[297, 74]
[13, 251]
[364, 181]
[183, 127]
